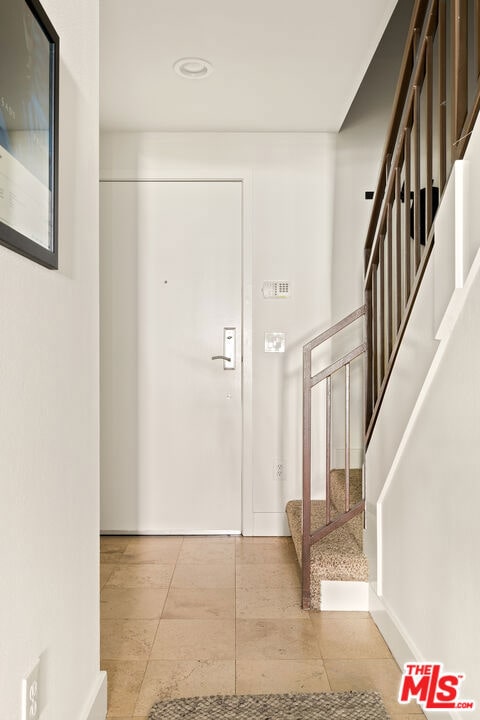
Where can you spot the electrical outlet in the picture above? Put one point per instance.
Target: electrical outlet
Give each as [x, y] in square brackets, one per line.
[30, 706]
[278, 470]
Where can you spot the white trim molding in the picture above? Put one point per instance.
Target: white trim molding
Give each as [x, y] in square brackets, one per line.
[96, 707]
[344, 595]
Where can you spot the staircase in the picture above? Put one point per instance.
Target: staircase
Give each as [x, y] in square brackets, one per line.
[439, 78]
[337, 561]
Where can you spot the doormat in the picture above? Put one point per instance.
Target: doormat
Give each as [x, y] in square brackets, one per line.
[311, 706]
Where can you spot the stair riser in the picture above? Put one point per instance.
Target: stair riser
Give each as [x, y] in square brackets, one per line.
[337, 488]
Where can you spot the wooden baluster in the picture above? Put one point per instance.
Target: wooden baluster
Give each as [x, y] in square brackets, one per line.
[389, 282]
[374, 379]
[429, 137]
[381, 318]
[398, 250]
[328, 463]
[307, 476]
[459, 71]
[347, 437]
[408, 203]
[416, 175]
[369, 376]
[442, 90]
[476, 35]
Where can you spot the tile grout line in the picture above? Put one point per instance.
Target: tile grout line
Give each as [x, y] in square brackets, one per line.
[158, 627]
[319, 645]
[117, 565]
[235, 616]
[106, 583]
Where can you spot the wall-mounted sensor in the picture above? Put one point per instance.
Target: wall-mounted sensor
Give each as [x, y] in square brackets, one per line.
[276, 289]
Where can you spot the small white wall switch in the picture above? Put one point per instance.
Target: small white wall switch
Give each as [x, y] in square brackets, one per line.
[30, 699]
[275, 342]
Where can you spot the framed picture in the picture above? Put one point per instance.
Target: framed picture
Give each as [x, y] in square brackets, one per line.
[29, 76]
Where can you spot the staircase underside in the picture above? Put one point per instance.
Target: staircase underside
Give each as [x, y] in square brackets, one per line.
[339, 556]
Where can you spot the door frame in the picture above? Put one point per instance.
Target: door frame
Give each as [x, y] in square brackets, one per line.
[244, 177]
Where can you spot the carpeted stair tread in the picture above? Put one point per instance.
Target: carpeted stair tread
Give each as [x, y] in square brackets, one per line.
[338, 556]
[341, 542]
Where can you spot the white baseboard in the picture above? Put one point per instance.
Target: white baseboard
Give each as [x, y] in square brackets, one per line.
[264, 524]
[344, 595]
[401, 646]
[270, 524]
[175, 532]
[96, 707]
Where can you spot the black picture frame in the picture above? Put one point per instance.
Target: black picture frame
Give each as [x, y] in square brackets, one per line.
[29, 109]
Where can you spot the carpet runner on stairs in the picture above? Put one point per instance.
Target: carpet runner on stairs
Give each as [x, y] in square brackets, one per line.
[339, 556]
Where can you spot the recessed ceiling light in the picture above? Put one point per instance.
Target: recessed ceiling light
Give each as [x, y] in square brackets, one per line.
[193, 68]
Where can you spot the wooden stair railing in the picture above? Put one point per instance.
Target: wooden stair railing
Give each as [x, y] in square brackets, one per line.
[310, 537]
[431, 123]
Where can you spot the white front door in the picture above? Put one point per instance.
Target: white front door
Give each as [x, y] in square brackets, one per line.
[183, 265]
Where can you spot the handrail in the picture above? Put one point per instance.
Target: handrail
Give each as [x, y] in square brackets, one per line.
[400, 236]
[338, 364]
[310, 381]
[340, 325]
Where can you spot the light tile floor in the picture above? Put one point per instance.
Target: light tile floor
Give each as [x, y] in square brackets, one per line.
[221, 615]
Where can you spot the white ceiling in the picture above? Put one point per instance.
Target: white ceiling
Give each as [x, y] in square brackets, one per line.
[279, 65]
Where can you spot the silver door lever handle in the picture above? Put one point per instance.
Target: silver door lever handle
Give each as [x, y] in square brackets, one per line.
[221, 357]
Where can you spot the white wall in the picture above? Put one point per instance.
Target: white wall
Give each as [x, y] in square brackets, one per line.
[422, 462]
[288, 180]
[49, 416]
[359, 150]
[429, 514]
